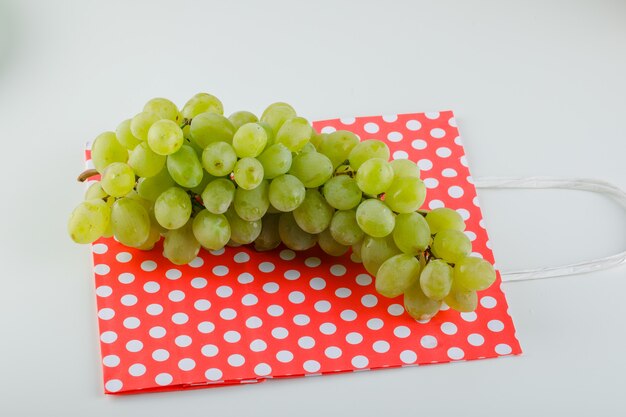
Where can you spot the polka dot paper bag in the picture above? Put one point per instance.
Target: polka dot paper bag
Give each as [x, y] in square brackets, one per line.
[237, 316]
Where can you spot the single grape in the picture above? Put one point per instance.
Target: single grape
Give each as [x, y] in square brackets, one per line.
[286, 192]
[89, 221]
[252, 204]
[436, 279]
[368, 149]
[405, 195]
[462, 301]
[276, 114]
[374, 176]
[125, 137]
[317, 139]
[356, 251]
[206, 179]
[240, 118]
[269, 238]
[342, 192]
[165, 137]
[314, 214]
[294, 133]
[292, 235]
[219, 159]
[276, 160]
[180, 245]
[329, 245]
[95, 192]
[232, 244]
[375, 251]
[185, 168]
[418, 305]
[473, 274]
[130, 221]
[248, 173]
[151, 188]
[106, 150]
[451, 245]
[443, 218]
[397, 274]
[145, 162]
[242, 231]
[211, 230]
[202, 103]
[344, 227]
[249, 140]
[118, 179]
[411, 233]
[173, 208]
[403, 168]
[142, 122]
[337, 146]
[211, 127]
[312, 168]
[375, 218]
[164, 109]
[218, 195]
[309, 147]
[153, 237]
[271, 136]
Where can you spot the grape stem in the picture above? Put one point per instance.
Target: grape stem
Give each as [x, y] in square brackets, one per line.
[86, 174]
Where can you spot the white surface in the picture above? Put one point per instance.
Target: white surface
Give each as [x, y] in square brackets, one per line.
[538, 89]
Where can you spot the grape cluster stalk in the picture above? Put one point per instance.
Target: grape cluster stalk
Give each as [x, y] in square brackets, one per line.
[202, 180]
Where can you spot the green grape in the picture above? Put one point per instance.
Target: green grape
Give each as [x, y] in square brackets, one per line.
[164, 109]
[375, 251]
[153, 237]
[165, 137]
[218, 195]
[294, 133]
[106, 150]
[309, 147]
[271, 136]
[276, 114]
[374, 176]
[252, 204]
[242, 231]
[118, 179]
[276, 160]
[344, 227]
[368, 149]
[249, 140]
[356, 253]
[418, 305]
[337, 146]
[397, 274]
[317, 139]
[130, 221]
[206, 179]
[273, 210]
[173, 208]
[202, 103]
[145, 162]
[286, 192]
[140, 124]
[342, 192]
[462, 301]
[405, 195]
[232, 244]
[180, 245]
[292, 235]
[95, 192]
[125, 136]
[375, 218]
[219, 159]
[185, 168]
[151, 188]
[403, 168]
[195, 146]
[240, 118]
[146, 204]
[211, 127]
[314, 214]
[312, 168]
[89, 221]
[108, 232]
[451, 245]
[436, 279]
[269, 238]
[248, 173]
[411, 233]
[473, 274]
[444, 218]
[211, 230]
[329, 245]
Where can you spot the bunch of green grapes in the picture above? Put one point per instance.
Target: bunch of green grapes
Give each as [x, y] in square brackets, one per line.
[202, 180]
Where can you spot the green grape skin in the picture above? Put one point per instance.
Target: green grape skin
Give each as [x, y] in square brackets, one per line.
[292, 235]
[151, 188]
[248, 173]
[153, 237]
[130, 222]
[89, 221]
[172, 208]
[374, 176]
[418, 305]
[317, 139]
[276, 160]
[242, 231]
[308, 148]
[276, 114]
[165, 137]
[436, 279]
[342, 192]
[345, 229]
[106, 150]
[180, 245]
[249, 140]
[145, 162]
[473, 274]
[211, 230]
[405, 195]
[375, 218]
[146, 204]
[273, 210]
[312, 168]
[397, 274]
[118, 179]
[218, 195]
[356, 253]
[202, 103]
[444, 218]
[269, 238]
[451, 245]
[141, 123]
[375, 251]
[240, 118]
[286, 192]
[411, 233]
[314, 214]
[185, 168]
[206, 179]
[95, 192]
[294, 133]
[271, 136]
[211, 127]
[329, 245]
[337, 146]
[219, 159]
[164, 109]
[462, 301]
[252, 205]
[125, 137]
[403, 168]
[368, 149]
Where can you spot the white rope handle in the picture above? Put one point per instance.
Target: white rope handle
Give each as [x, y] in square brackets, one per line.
[583, 184]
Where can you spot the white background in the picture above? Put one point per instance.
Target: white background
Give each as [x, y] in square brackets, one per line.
[538, 87]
